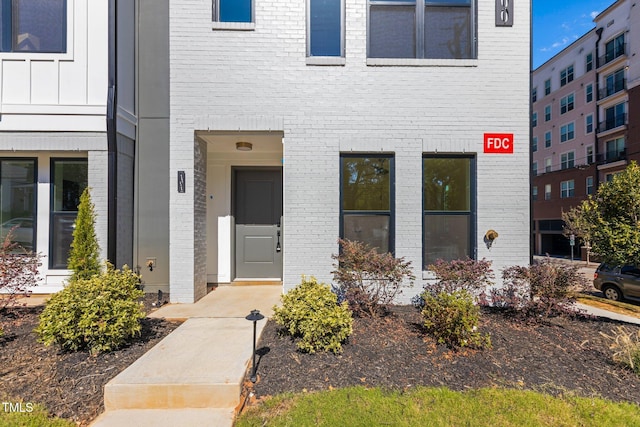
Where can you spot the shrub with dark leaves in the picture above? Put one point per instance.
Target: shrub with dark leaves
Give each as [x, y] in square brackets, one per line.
[368, 280]
[18, 271]
[462, 274]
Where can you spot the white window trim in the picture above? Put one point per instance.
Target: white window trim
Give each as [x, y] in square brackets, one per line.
[50, 56]
[566, 154]
[593, 126]
[572, 94]
[567, 126]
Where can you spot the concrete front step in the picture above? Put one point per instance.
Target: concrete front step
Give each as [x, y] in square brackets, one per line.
[166, 418]
[199, 365]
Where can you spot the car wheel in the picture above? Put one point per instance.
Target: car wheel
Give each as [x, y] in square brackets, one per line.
[612, 293]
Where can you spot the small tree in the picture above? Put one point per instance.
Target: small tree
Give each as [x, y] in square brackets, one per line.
[612, 218]
[574, 223]
[83, 258]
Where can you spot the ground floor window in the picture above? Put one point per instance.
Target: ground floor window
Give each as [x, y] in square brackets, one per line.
[449, 208]
[367, 199]
[68, 181]
[18, 200]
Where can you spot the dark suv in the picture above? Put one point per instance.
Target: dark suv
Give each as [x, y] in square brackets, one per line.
[617, 283]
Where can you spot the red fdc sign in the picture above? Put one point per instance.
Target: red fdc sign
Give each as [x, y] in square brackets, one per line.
[498, 143]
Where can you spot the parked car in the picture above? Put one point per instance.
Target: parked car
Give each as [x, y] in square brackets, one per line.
[619, 282]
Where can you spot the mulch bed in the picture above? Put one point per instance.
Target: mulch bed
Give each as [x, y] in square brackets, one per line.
[556, 356]
[69, 384]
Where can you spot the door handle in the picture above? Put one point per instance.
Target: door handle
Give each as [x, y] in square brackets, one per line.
[278, 247]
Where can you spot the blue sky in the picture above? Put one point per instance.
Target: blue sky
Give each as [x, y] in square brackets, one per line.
[557, 24]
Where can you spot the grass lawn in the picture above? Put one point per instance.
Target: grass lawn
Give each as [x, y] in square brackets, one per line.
[31, 416]
[358, 406]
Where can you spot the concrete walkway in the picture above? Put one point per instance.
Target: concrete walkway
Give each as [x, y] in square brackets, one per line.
[193, 377]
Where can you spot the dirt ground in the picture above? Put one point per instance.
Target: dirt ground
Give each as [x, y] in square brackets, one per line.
[556, 356]
[70, 385]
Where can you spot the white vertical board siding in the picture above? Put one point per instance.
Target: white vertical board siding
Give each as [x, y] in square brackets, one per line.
[220, 76]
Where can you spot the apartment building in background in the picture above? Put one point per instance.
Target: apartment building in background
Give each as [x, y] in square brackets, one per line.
[585, 121]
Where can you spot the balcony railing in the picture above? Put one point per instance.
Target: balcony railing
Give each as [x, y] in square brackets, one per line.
[612, 123]
[611, 55]
[617, 86]
[612, 156]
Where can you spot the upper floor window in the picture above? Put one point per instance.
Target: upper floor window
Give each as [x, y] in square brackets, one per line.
[547, 192]
[567, 160]
[547, 164]
[534, 168]
[438, 29]
[567, 132]
[566, 75]
[614, 116]
[325, 29]
[547, 87]
[613, 49]
[534, 119]
[614, 83]
[534, 94]
[589, 185]
[33, 26]
[547, 139]
[588, 93]
[590, 154]
[615, 149]
[566, 103]
[534, 144]
[589, 62]
[547, 113]
[534, 193]
[233, 10]
[588, 122]
[567, 189]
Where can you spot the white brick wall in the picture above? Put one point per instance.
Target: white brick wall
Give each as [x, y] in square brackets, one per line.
[261, 76]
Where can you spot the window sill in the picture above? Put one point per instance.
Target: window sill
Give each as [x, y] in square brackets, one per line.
[234, 26]
[326, 60]
[414, 62]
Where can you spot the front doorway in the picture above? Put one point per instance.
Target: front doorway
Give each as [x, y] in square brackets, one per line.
[257, 211]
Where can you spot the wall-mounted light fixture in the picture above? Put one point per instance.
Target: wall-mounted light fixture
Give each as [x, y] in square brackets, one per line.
[244, 146]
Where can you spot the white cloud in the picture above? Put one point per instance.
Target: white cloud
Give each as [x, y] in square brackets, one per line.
[594, 14]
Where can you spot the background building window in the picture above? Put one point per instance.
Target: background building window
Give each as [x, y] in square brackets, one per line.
[68, 181]
[589, 185]
[534, 119]
[547, 87]
[534, 144]
[18, 201]
[534, 193]
[547, 164]
[366, 202]
[615, 149]
[590, 154]
[567, 132]
[547, 192]
[325, 28]
[566, 104]
[588, 121]
[566, 189]
[534, 94]
[449, 208]
[439, 29]
[33, 26]
[547, 139]
[534, 168]
[589, 62]
[588, 93]
[233, 10]
[566, 75]
[567, 160]
[547, 113]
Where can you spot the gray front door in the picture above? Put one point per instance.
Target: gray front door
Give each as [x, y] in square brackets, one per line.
[257, 209]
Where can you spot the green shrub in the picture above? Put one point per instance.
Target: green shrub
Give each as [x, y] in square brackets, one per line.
[369, 280]
[311, 313]
[83, 257]
[98, 314]
[453, 319]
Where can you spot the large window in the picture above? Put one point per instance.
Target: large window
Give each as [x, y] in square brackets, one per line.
[439, 29]
[614, 117]
[325, 33]
[33, 26]
[614, 83]
[449, 208]
[233, 10]
[18, 201]
[615, 149]
[68, 181]
[566, 103]
[567, 132]
[367, 200]
[613, 49]
[567, 189]
[566, 75]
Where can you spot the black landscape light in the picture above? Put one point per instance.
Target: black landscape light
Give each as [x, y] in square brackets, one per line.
[254, 316]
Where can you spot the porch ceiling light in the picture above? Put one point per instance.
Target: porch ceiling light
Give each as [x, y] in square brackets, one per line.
[244, 146]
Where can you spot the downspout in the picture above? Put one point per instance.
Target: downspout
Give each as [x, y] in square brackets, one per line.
[532, 230]
[112, 161]
[596, 152]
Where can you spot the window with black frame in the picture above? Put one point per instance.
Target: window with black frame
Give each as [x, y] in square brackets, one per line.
[367, 200]
[68, 181]
[449, 208]
[18, 201]
[33, 26]
[433, 29]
